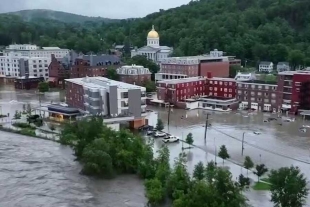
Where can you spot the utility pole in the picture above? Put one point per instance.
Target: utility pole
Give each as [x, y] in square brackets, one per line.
[206, 129]
[169, 115]
[242, 143]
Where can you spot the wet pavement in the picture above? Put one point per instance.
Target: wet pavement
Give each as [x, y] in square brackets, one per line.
[36, 172]
[276, 146]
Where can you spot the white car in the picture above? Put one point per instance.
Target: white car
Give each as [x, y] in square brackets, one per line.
[149, 132]
[171, 139]
[159, 134]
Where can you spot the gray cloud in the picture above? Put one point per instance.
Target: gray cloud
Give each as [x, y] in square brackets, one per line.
[104, 8]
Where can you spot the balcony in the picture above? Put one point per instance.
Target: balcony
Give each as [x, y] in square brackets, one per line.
[94, 98]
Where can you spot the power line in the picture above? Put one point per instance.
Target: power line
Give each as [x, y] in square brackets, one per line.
[263, 149]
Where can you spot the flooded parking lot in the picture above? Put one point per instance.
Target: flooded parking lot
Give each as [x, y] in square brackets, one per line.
[275, 146]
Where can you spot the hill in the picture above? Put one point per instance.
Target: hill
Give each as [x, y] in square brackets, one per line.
[29, 15]
[274, 30]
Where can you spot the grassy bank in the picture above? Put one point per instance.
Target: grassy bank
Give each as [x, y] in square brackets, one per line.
[25, 132]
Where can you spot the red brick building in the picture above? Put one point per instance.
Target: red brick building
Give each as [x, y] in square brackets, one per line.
[134, 74]
[177, 90]
[222, 87]
[58, 72]
[293, 90]
[214, 63]
[75, 95]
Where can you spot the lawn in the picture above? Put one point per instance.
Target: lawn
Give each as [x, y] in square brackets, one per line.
[261, 186]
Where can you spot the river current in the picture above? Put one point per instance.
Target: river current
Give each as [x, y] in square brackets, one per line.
[35, 173]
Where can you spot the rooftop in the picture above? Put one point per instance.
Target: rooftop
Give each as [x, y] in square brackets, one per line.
[301, 72]
[265, 63]
[50, 48]
[101, 82]
[222, 79]
[260, 82]
[182, 80]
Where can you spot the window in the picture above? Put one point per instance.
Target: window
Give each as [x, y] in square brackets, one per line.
[210, 88]
[215, 89]
[225, 89]
[215, 94]
[230, 95]
[252, 99]
[230, 90]
[230, 83]
[221, 83]
[215, 82]
[211, 82]
[225, 95]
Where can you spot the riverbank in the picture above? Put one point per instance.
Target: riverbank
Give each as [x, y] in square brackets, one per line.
[21, 132]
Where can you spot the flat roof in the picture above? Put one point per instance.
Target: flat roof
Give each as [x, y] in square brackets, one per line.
[102, 82]
[221, 79]
[300, 72]
[182, 80]
[51, 48]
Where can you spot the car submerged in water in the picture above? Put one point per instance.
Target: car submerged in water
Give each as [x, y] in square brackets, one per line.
[171, 139]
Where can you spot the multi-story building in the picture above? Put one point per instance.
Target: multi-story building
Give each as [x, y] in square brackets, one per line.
[92, 65]
[234, 61]
[176, 90]
[59, 70]
[134, 74]
[221, 87]
[292, 90]
[257, 95]
[265, 66]
[214, 63]
[186, 88]
[107, 98]
[12, 65]
[199, 92]
[35, 51]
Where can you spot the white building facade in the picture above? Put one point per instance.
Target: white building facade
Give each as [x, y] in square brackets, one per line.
[266, 67]
[34, 60]
[153, 50]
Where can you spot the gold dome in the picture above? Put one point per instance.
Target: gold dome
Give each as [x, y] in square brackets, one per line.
[152, 33]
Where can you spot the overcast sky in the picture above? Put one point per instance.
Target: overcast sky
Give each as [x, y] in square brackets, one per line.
[104, 8]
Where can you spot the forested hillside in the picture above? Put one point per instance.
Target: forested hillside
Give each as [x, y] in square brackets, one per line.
[253, 29]
[33, 14]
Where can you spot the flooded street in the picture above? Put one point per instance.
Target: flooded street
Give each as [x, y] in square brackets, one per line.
[276, 146]
[36, 172]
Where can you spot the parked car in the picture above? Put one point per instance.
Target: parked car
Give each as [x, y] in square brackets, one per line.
[159, 134]
[171, 139]
[150, 132]
[256, 132]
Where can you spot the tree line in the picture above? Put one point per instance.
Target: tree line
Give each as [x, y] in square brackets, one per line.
[269, 30]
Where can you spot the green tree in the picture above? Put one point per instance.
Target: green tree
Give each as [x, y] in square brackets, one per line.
[210, 171]
[17, 115]
[296, 58]
[223, 153]
[43, 87]
[260, 170]
[150, 86]
[154, 191]
[179, 180]
[248, 163]
[244, 182]
[288, 187]
[28, 110]
[199, 171]
[112, 74]
[189, 139]
[159, 125]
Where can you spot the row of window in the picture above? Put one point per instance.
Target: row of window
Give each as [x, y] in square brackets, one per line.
[221, 89]
[225, 83]
[273, 95]
[266, 87]
[273, 101]
[225, 95]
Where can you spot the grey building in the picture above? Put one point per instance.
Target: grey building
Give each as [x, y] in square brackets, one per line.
[257, 95]
[105, 97]
[283, 66]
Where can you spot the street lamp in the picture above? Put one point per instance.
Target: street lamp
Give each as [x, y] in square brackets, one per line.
[215, 153]
[206, 129]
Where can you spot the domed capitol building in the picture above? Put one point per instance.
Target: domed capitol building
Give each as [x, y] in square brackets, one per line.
[153, 50]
